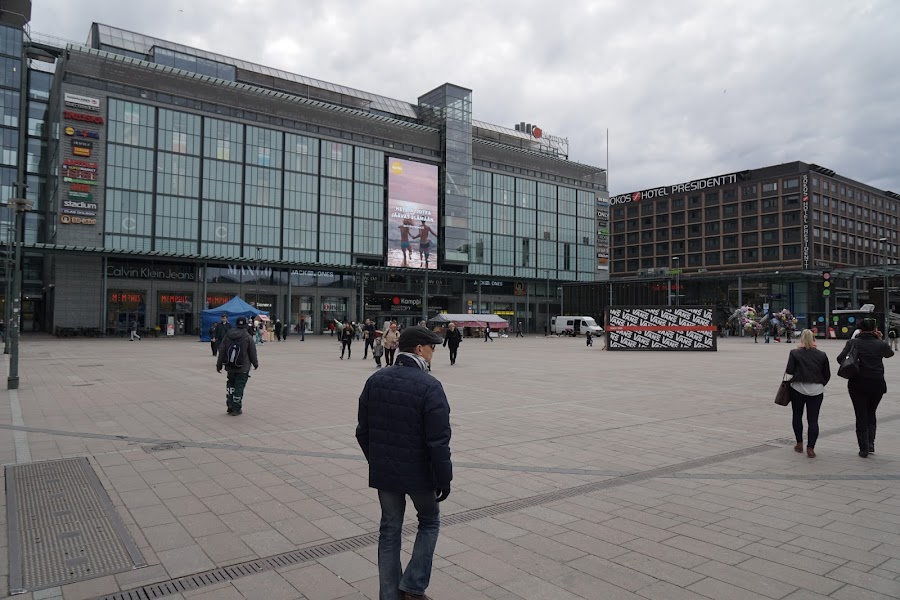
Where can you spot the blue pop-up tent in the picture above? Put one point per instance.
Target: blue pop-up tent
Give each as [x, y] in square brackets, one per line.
[234, 308]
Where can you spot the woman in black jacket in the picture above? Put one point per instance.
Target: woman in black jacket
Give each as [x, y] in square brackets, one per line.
[346, 338]
[868, 386]
[452, 338]
[809, 367]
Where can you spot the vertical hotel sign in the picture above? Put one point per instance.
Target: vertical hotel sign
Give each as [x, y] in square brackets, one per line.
[602, 242]
[806, 221]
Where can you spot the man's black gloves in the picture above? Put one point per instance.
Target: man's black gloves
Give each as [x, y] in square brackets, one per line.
[441, 493]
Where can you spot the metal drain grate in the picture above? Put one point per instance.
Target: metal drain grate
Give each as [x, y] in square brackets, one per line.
[62, 526]
[215, 576]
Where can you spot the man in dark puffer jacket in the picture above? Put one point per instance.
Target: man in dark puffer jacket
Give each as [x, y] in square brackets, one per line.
[404, 431]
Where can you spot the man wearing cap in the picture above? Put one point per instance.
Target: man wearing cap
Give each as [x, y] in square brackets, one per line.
[239, 373]
[404, 431]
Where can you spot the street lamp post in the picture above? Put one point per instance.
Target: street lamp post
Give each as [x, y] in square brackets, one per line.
[20, 205]
[562, 300]
[676, 260]
[547, 296]
[884, 255]
[258, 255]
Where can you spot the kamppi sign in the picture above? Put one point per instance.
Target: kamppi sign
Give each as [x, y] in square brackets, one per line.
[661, 192]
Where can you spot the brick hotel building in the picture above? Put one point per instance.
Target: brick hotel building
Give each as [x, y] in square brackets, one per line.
[760, 236]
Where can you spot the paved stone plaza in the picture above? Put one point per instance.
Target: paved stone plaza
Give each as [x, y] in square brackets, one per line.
[578, 473]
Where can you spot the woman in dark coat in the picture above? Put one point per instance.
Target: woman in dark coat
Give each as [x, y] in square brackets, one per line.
[868, 386]
[810, 374]
[346, 338]
[452, 338]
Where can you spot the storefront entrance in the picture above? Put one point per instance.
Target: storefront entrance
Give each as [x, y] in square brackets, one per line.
[178, 307]
[123, 307]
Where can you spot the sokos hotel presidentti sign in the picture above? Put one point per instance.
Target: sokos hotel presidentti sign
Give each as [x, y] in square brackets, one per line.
[681, 188]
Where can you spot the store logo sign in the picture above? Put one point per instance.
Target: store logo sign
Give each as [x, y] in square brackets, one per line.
[76, 220]
[83, 102]
[82, 147]
[74, 116]
[82, 133]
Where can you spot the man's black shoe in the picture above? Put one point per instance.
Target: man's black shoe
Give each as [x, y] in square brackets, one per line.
[230, 411]
[238, 412]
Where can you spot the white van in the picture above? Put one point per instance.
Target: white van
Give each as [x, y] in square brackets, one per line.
[574, 325]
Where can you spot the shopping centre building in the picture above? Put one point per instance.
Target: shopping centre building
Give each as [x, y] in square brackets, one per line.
[167, 179]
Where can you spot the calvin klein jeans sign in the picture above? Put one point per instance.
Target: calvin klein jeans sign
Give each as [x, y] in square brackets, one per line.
[660, 328]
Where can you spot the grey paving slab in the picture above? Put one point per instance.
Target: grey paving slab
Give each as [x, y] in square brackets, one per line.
[627, 489]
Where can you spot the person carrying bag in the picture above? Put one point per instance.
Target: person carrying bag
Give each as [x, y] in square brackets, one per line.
[810, 373]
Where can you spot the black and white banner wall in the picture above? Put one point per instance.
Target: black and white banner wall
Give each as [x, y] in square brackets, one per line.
[660, 328]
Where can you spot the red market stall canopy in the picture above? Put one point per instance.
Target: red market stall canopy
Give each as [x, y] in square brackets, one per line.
[492, 321]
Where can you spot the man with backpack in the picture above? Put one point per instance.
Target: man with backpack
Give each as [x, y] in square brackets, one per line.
[237, 353]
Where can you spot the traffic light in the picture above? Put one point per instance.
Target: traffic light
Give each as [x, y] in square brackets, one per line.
[826, 284]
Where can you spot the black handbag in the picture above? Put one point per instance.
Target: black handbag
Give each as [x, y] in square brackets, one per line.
[850, 365]
[783, 395]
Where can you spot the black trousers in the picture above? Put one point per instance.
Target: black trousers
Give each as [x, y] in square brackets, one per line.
[453, 351]
[368, 344]
[345, 345]
[389, 355]
[813, 404]
[866, 394]
[214, 346]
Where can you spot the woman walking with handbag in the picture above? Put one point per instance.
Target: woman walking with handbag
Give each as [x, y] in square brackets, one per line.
[867, 386]
[390, 342]
[809, 367]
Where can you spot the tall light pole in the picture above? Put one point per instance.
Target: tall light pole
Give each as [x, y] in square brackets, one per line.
[676, 260]
[258, 255]
[20, 205]
[547, 297]
[884, 255]
[562, 300]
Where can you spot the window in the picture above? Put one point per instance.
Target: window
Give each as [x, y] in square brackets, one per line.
[749, 207]
[711, 258]
[712, 212]
[337, 160]
[749, 223]
[770, 237]
[711, 228]
[131, 124]
[770, 188]
[693, 201]
[695, 245]
[712, 243]
[695, 260]
[769, 221]
[693, 216]
[791, 184]
[730, 226]
[750, 239]
[771, 254]
[750, 255]
[730, 241]
[748, 191]
[730, 257]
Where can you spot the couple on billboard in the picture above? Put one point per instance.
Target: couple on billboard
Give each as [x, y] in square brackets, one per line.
[424, 242]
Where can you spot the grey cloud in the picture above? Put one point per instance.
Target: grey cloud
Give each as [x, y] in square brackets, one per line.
[687, 89]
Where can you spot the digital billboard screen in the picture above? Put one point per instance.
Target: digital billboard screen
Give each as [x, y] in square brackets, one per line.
[412, 214]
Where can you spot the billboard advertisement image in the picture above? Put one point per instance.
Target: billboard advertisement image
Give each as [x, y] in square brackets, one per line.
[412, 214]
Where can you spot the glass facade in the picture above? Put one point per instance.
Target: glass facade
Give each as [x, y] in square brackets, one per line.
[528, 229]
[255, 192]
[449, 108]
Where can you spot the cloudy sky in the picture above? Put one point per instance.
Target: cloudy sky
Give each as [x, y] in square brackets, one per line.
[687, 88]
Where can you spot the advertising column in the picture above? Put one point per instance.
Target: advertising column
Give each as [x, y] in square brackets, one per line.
[412, 214]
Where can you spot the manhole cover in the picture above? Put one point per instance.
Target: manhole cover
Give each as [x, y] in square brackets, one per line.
[163, 447]
[62, 526]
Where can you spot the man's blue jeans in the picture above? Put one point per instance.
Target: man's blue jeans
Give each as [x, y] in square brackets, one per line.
[392, 578]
